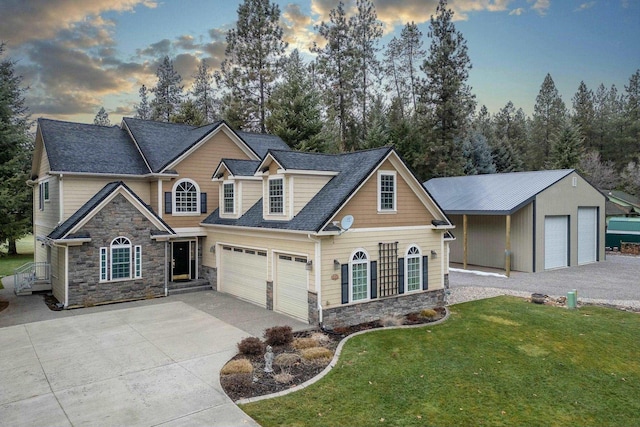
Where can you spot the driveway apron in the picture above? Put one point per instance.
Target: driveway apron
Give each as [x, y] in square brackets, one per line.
[143, 366]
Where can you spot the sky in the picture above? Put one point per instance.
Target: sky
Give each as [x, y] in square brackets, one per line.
[77, 56]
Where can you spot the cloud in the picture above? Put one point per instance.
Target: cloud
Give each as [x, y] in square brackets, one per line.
[297, 28]
[29, 20]
[540, 6]
[585, 6]
[517, 12]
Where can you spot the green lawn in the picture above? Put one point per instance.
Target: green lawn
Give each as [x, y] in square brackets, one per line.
[10, 263]
[498, 362]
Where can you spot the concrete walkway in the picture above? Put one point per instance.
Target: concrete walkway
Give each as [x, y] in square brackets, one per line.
[145, 363]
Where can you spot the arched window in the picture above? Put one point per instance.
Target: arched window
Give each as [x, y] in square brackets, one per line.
[413, 269]
[120, 258]
[186, 197]
[359, 265]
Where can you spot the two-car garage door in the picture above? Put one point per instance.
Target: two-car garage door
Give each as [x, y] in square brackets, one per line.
[245, 274]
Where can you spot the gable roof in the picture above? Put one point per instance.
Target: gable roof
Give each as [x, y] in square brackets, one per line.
[499, 194]
[84, 148]
[260, 143]
[353, 169]
[238, 167]
[65, 229]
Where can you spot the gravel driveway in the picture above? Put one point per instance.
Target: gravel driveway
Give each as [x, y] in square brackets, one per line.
[614, 281]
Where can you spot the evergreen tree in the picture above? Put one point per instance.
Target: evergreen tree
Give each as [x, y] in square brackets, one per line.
[632, 113]
[102, 118]
[336, 69]
[483, 124]
[15, 152]
[366, 32]
[548, 120]
[168, 92]
[189, 114]
[253, 55]
[505, 157]
[295, 107]
[143, 110]
[377, 125]
[477, 155]
[446, 96]
[202, 92]
[584, 114]
[566, 148]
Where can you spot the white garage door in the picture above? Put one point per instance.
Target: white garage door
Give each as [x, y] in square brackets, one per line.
[291, 286]
[587, 235]
[556, 244]
[244, 274]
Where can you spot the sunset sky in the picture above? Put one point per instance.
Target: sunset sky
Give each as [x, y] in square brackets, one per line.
[78, 55]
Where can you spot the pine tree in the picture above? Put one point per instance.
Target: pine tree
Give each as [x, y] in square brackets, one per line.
[483, 124]
[143, 110]
[253, 55]
[378, 132]
[15, 157]
[608, 124]
[168, 92]
[189, 114]
[566, 148]
[337, 71]
[584, 114]
[632, 112]
[102, 118]
[202, 92]
[477, 155]
[548, 120]
[295, 107]
[446, 96]
[505, 157]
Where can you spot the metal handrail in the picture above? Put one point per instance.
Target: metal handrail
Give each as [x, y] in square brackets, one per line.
[28, 274]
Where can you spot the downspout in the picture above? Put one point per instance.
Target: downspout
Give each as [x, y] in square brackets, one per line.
[318, 273]
[166, 267]
[66, 276]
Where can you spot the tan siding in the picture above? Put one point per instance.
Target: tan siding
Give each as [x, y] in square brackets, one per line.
[522, 239]
[44, 167]
[341, 248]
[251, 192]
[563, 198]
[153, 197]
[364, 205]
[199, 166]
[50, 215]
[305, 187]
[58, 274]
[78, 190]
[455, 247]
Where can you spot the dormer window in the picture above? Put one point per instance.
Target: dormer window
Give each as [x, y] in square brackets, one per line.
[276, 196]
[228, 198]
[387, 191]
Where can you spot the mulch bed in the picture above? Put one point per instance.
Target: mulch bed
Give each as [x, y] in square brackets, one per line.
[242, 386]
[3, 305]
[52, 302]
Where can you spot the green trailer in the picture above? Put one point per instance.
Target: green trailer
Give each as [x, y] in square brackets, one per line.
[622, 230]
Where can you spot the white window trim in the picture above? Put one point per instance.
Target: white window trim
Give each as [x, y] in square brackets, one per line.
[106, 259]
[284, 196]
[406, 268]
[174, 205]
[137, 262]
[382, 173]
[46, 195]
[104, 265]
[368, 270]
[222, 201]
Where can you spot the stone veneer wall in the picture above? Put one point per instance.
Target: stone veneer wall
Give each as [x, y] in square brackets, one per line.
[369, 311]
[312, 299]
[118, 218]
[210, 274]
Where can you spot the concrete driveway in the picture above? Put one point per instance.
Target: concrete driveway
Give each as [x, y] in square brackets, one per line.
[154, 363]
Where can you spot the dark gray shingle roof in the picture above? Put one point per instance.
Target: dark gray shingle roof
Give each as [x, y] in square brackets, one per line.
[77, 147]
[353, 169]
[63, 229]
[241, 167]
[502, 193]
[261, 143]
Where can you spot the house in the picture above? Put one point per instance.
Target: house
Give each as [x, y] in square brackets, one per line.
[525, 221]
[133, 211]
[620, 203]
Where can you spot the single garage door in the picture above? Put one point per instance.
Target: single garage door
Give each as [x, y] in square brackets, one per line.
[244, 274]
[587, 235]
[556, 241]
[291, 286]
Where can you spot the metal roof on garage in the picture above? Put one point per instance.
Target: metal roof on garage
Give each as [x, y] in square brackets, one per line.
[492, 194]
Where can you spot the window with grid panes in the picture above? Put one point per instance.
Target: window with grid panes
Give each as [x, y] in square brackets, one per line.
[186, 197]
[228, 198]
[413, 272]
[359, 276]
[387, 192]
[276, 196]
[120, 258]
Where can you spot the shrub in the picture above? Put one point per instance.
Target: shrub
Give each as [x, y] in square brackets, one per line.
[237, 366]
[283, 377]
[429, 313]
[413, 317]
[390, 321]
[286, 360]
[251, 345]
[300, 343]
[315, 353]
[236, 382]
[320, 338]
[278, 335]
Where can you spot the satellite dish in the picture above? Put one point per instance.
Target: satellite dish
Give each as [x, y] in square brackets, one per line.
[346, 222]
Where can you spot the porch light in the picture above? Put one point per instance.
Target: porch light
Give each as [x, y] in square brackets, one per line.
[434, 254]
[309, 265]
[336, 264]
[212, 249]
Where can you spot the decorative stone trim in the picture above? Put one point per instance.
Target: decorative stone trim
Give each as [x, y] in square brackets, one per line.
[312, 300]
[210, 274]
[269, 295]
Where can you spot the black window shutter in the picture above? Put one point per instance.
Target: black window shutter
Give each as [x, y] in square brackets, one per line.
[167, 202]
[425, 273]
[40, 197]
[345, 283]
[203, 202]
[401, 275]
[373, 267]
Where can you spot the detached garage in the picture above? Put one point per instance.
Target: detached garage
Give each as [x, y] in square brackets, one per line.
[525, 221]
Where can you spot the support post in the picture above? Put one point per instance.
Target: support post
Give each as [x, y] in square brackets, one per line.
[464, 241]
[507, 252]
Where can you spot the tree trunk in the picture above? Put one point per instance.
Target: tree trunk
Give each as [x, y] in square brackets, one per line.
[12, 247]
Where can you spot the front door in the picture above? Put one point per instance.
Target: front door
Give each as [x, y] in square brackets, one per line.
[181, 261]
